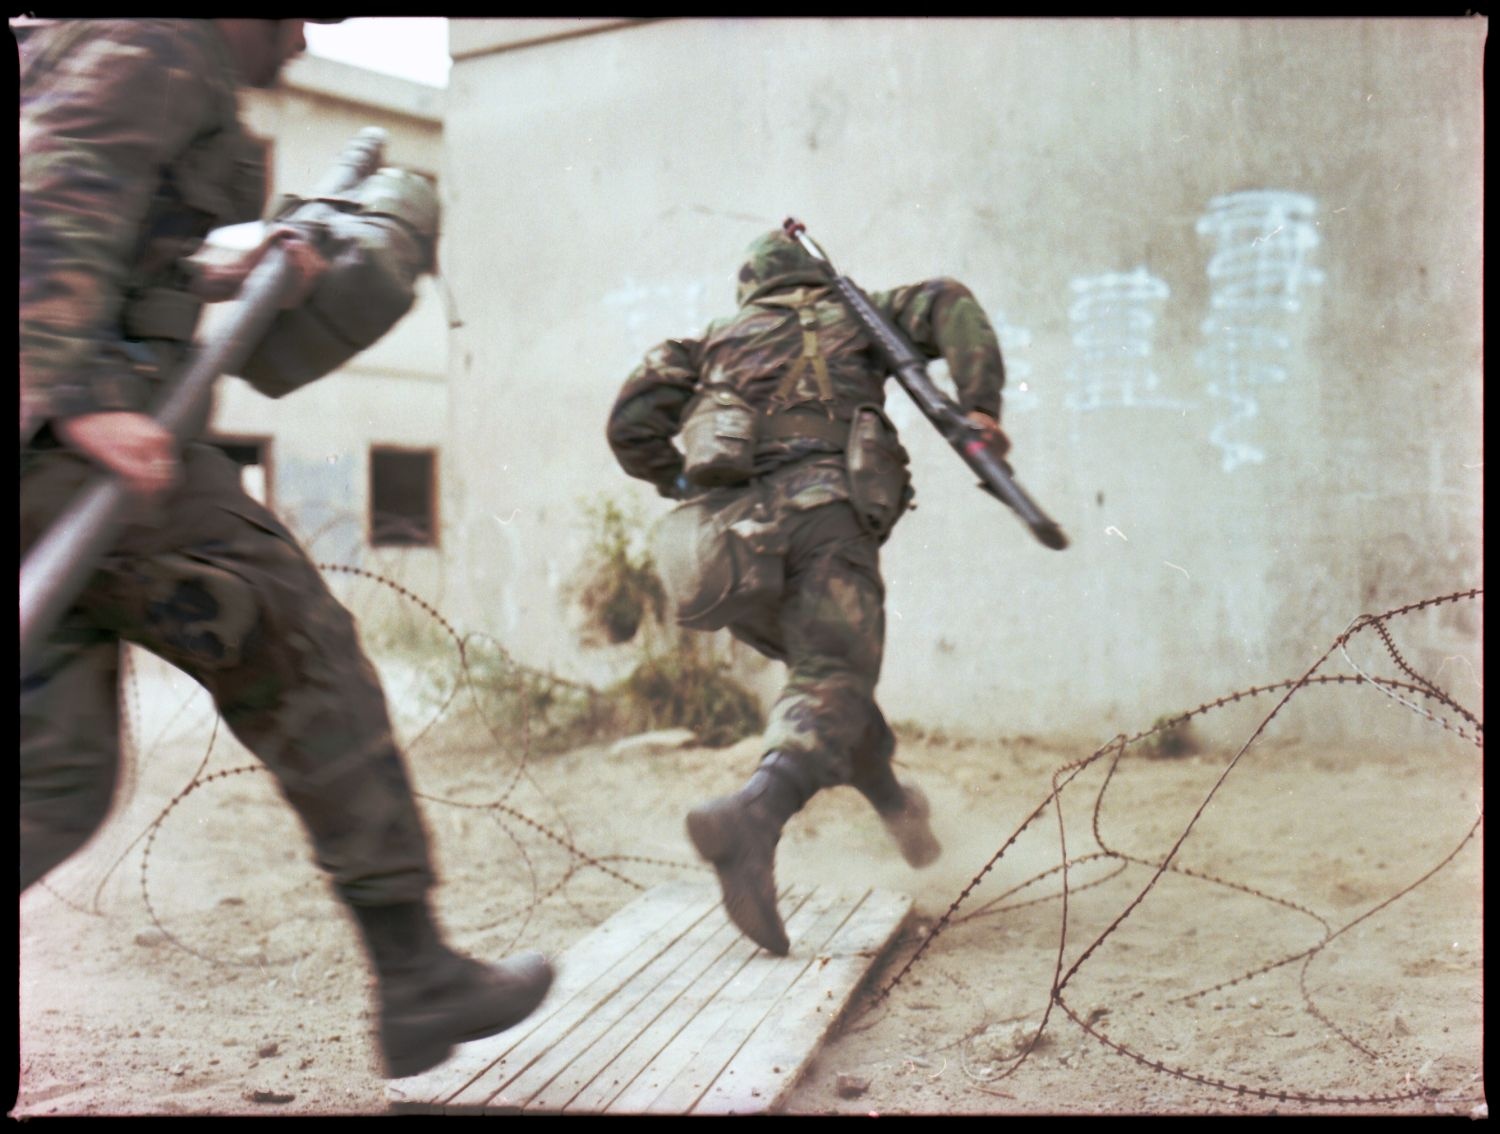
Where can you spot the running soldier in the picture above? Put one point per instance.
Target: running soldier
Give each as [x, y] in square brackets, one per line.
[131, 151]
[792, 478]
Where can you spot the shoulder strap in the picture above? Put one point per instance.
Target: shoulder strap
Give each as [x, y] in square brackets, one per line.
[811, 359]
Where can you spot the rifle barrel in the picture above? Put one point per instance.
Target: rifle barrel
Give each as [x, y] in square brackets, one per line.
[910, 370]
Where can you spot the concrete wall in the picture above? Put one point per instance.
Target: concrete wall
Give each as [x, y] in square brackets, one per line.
[395, 393]
[1239, 480]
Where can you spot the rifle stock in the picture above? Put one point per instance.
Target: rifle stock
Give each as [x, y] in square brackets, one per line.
[58, 565]
[910, 370]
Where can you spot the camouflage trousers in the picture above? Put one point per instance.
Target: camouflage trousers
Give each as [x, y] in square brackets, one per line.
[828, 626]
[213, 583]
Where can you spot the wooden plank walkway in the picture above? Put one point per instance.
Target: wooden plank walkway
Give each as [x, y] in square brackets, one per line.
[666, 1008]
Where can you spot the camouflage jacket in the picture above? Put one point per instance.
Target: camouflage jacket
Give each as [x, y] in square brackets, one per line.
[131, 151]
[787, 315]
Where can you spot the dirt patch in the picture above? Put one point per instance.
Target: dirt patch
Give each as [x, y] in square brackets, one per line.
[1294, 931]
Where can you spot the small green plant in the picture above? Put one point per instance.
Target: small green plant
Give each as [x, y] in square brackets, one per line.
[618, 588]
[678, 682]
[682, 690]
[1170, 738]
[556, 714]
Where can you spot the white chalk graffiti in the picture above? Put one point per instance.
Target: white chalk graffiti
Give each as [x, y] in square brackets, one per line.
[679, 307]
[1114, 320]
[1263, 240]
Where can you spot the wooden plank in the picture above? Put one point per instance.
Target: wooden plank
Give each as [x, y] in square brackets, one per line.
[666, 1007]
[645, 1065]
[604, 1070]
[654, 913]
[702, 1053]
[617, 1018]
[642, 942]
[773, 1058]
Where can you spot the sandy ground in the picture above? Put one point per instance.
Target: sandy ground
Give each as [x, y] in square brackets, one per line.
[1314, 945]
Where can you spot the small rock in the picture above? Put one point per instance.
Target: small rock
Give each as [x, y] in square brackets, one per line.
[1399, 1026]
[851, 1086]
[650, 743]
[1255, 1002]
[150, 938]
[263, 1096]
[177, 1069]
[265, 1051]
[1000, 1042]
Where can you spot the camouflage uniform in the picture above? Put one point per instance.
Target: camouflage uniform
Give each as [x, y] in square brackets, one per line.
[795, 354]
[131, 151]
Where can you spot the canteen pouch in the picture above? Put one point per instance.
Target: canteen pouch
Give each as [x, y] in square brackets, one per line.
[718, 439]
[879, 480]
[718, 560]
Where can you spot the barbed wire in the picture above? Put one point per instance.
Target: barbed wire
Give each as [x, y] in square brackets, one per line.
[515, 737]
[1114, 751]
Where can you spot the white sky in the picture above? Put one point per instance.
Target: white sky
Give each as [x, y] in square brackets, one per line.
[414, 48]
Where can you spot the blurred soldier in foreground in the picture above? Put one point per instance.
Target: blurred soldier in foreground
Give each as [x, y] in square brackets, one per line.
[793, 478]
[131, 151]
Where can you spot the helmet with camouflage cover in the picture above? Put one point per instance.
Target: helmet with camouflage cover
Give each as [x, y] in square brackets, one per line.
[774, 262]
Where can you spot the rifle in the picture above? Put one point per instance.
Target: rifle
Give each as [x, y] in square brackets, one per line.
[910, 370]
[59, 564]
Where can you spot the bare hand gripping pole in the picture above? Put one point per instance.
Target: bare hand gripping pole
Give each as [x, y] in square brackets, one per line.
[911, 371]
[58, 566]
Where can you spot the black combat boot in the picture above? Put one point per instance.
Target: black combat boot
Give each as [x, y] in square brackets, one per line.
[904, 810]
[910, 825]
[431, 997]
[738, 833]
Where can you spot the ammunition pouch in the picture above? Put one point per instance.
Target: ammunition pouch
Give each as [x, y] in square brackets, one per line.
[718, 438]
[721, 431]
[379, 238]
[718, 559]
[879, 480]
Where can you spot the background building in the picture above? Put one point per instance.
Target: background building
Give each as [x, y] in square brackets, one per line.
[355, 463]
[1236, 268]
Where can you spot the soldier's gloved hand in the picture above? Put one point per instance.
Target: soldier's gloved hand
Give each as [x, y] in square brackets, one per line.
[133, 446]
[995, 437]
[308, 264]
[217, 282]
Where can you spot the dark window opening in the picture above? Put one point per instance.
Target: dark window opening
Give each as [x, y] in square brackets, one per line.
[403, 498]
[253, 455]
